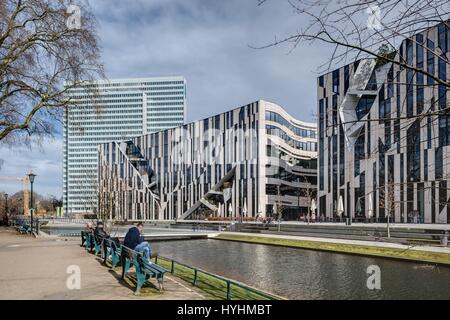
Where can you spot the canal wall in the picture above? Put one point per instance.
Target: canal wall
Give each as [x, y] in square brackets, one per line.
[423, 254]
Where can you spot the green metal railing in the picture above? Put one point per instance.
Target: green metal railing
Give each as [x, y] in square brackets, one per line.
[215, 285]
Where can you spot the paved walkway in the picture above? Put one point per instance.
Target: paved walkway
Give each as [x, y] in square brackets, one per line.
[33, 268]
[347, 241]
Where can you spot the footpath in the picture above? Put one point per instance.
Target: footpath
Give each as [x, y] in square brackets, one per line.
[36, 268]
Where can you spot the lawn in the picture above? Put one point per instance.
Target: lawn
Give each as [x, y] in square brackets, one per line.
[405, 254]
[213, 287]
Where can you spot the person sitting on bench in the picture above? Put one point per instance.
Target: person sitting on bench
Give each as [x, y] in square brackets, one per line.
[88, 228]
[135, 240]
[100, 232]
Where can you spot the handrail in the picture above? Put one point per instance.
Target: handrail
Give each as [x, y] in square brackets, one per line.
[227, 281]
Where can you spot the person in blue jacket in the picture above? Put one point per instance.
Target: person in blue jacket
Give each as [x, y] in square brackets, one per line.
[135, 240]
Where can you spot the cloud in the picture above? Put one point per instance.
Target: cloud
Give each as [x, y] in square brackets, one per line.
[207, 42]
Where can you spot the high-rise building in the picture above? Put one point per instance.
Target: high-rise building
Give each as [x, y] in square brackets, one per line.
[384, 135]
[255, 160]
[112, 110]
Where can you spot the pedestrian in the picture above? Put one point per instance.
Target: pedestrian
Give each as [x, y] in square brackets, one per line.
[99, 232]
[134, 239]
[88, 229]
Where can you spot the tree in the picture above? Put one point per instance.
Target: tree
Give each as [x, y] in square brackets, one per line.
[356, 29]
[45, 204]
[388, 201]
[46, 48]
[279, 208]
[309, 193]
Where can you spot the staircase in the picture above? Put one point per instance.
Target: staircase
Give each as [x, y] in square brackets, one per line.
[215, 190]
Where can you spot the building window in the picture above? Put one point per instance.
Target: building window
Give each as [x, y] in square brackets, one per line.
[364, 105]
[336, 81]
[359, 151]
[413, 154]
[430, 61]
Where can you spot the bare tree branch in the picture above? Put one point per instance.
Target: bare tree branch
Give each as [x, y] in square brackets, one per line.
[41, 58]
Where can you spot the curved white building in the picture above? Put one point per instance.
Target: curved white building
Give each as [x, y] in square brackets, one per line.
[240, 163]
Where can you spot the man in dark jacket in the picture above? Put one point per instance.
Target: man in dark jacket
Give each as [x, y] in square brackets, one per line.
[100, 232]
[135, 240]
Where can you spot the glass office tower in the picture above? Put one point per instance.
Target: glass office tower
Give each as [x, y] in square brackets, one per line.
[112, 110]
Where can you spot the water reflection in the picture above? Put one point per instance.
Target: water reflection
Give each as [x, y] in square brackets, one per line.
[307, 274]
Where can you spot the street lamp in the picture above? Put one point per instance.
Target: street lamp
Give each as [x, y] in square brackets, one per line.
[6, 208]
[6, 203]
[31, 177]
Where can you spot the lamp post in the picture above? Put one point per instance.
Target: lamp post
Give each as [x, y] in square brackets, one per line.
[31, 177]
[6, 208]
[6, 203]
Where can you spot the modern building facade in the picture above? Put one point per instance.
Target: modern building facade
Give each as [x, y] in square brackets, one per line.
[112, 110]
[234, 165]
[384, 135]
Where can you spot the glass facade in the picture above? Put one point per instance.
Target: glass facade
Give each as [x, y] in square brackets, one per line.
[112, 110]
[396, 146]
[250, 157]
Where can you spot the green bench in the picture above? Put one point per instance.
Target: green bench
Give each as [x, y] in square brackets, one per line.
[87, 238]
[83, 238]
[97, 244]
[145, 270]
[24, 229]
[111, 250]
[90, 242]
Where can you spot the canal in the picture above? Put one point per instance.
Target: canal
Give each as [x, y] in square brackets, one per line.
[306, 274]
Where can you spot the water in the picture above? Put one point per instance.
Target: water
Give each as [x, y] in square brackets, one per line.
[308, 274]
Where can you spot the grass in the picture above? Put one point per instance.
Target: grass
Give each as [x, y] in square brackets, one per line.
[146, 290]
[394, 253]
[213, 287]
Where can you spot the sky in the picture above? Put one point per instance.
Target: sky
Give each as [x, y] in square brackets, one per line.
[209, 42]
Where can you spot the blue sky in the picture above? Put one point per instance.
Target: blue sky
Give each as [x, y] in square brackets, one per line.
[207, 41]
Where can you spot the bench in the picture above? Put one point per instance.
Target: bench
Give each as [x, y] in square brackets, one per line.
[113, 250]
[88, 239]
[24, 229]
[145, 270]
[83, 237]
[97, 244]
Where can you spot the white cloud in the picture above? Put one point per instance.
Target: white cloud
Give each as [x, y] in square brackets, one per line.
[208, 43]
